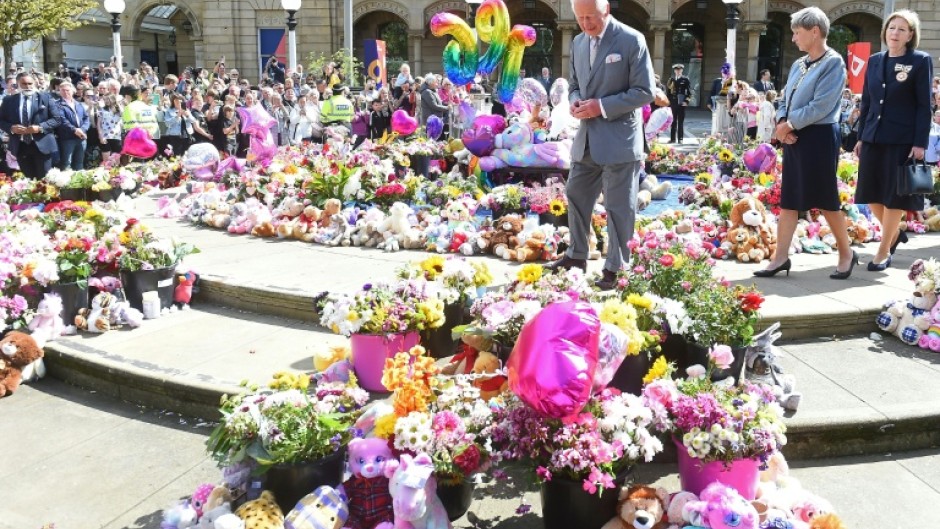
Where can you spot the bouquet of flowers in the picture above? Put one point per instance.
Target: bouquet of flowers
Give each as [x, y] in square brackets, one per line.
[723, 314]
[717, 421]
[448, 187]
[505, 197]
[444, 419]
[665, 266]
[457, 278]
[145, 251]
[548, 198]
[21, 190]
[273, 427]
[612, 432]
[69, 179]
[408, 305]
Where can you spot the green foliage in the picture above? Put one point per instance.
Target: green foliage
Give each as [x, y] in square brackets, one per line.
[351, 65]
[32, 19]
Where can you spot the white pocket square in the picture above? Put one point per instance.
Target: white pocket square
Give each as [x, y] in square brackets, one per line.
[613, 57]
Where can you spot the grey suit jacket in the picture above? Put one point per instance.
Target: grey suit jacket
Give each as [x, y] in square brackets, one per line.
[622, 79]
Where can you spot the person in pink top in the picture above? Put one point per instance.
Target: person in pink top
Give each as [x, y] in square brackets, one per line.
[748, 106]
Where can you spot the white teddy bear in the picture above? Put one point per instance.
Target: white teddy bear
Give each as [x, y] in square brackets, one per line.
[394, 227]
[909, 318]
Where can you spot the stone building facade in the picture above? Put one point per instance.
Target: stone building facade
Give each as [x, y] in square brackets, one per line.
[692, 32]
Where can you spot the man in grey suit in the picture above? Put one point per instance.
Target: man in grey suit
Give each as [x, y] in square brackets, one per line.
[611, 79]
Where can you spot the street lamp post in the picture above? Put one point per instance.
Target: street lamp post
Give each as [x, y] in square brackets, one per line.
[116, 7]
[734, 15]
[291, 6]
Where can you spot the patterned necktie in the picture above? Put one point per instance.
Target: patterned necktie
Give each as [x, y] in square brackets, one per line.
[594, 43]
[25, 116]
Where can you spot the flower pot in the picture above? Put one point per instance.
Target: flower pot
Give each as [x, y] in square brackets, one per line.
[698, 354]
[694, 474]
[421, 164]
[557, 221]
[292, 481]
[369, 352]
[137, 282]
[107, 195]
[439, 342]
[456, 497]
[74, 194]
[74, 297]
[565, 504]
[674, 348]
[629, 376]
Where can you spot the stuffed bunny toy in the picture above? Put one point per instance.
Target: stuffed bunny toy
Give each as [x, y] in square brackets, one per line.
[762, 366]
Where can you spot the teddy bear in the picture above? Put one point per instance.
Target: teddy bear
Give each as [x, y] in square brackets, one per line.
[458, 213]
[331, 207]
[98, 318]
[676, 512]
[324, 508]
[503, 236]
[212, 503]
[304, 227]
[640, 507]
[908, 318]
[744, 245]
[340, 231]
[47, 324]
[810, 241]
[394, 227]
[366, 491]
[858, 232]
[17, 351]
[658, 191]
[932, 219]
[530, 250]
[486, 363]
[516, 147]
[749, 213]
[719, 504]
[238, 219]
[262, 513]
[930, 340]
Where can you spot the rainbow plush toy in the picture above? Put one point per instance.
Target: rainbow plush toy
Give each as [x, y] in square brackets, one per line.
[515, 147]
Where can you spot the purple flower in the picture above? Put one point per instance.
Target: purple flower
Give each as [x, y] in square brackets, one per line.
[523, 508]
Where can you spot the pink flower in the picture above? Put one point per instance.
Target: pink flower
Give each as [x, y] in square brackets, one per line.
[661, 391]
[639, 269]
[632, 244]
[543, 473]
[667, 260]
[721, 355]
[687, 286]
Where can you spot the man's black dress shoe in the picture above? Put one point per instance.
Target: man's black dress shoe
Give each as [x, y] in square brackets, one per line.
[567, 263]
[607, 281]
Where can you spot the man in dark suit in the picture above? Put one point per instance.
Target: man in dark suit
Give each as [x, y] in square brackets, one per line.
[611, 79]
[679, 90]
[30, 118]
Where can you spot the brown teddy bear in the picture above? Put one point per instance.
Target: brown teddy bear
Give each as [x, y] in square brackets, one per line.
[503, 236]
[305, 226]
[641, 507]
[487, 362]
[17, 351]
[531, 250]
[331, 207]
[750, 213]
[744, 245]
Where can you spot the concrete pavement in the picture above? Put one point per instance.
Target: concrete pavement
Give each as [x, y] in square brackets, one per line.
[82, 460]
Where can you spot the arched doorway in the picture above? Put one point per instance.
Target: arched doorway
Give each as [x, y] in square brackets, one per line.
[548, 39]
[388, 27]
[631, 14]
[770, 50]
[688, 48]
[855, 27]
[166, 36]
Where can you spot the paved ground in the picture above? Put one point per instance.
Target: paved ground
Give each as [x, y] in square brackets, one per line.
[83, 461]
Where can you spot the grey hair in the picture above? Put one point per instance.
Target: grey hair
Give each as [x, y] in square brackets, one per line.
[809, 18]
[601, 5]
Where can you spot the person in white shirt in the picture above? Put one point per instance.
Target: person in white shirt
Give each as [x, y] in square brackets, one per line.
[305, 118]
[765, 118]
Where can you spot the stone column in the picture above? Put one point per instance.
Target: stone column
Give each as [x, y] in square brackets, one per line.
[199, 49]
[54, 52]
[130, 52]
[417, 37]
[753, 48]
[568, 30]
[659, 29]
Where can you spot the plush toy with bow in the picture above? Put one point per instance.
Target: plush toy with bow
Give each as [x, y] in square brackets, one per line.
[367, 490]
[908, 318]
[414, 494]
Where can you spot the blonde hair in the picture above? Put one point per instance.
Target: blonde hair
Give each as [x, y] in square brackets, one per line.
[912, 20]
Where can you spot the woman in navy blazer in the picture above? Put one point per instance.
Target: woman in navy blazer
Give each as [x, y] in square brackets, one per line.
[893, 125]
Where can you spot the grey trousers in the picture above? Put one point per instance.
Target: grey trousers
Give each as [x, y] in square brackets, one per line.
[620, 183]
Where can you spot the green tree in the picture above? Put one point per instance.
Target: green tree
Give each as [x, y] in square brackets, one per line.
[22, 20]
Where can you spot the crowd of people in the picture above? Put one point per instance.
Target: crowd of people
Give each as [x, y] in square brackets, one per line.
[92, 108]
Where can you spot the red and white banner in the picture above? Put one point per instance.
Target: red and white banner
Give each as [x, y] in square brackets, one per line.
[857, 65]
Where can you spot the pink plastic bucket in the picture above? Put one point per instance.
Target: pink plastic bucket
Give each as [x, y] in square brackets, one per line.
[369, 352]
[694, 475]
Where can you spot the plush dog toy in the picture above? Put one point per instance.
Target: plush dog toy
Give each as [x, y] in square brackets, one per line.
[640, 507]
[17, 351]
[762, 367]
[98, 318]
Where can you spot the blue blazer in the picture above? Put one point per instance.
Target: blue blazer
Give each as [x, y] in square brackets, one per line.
[897, 112]
[71, 120]
[43, 112]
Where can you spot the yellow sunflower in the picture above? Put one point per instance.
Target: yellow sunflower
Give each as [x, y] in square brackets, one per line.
[725, 156]
[557, 207]
[705, 178]
[529, 273]
[433, 267]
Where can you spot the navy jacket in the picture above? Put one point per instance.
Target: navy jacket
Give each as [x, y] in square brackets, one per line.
[71, 120]
[43, 112]
[893, 111]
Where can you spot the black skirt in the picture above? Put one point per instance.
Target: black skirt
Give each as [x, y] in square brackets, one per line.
[879, 168]
[809, 169]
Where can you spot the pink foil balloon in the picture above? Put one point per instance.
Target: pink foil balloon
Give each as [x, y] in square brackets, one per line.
[139, 144]
[403, 124]
[761, 159]
[552, 366]
[255, 120]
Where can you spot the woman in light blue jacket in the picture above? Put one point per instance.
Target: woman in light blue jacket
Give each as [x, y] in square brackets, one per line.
[808, 126]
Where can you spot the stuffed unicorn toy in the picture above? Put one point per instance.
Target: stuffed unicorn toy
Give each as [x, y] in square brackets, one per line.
[414, 494]
[516, 147]
[47, 324]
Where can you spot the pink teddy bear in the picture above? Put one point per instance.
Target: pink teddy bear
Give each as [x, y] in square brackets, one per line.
[722, 507]
[367, 491]
[931, 337]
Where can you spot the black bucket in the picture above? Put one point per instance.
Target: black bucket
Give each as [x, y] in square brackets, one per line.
[74, 297]
[140, 281]
[289, 482]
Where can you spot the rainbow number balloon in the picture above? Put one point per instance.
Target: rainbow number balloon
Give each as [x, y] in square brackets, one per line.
[461, 59]
[460, 55]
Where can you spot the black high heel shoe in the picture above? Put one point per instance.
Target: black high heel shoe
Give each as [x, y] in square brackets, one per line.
[785, 267]
[879, 267]
[848, 273]
[902, 237]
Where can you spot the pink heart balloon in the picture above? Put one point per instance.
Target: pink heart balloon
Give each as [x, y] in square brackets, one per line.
[403, 124]
[552, 366]
[761, 158]
[480, 141]
[255, 120]
[496, 123]
[139, 144]
[261, 149]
